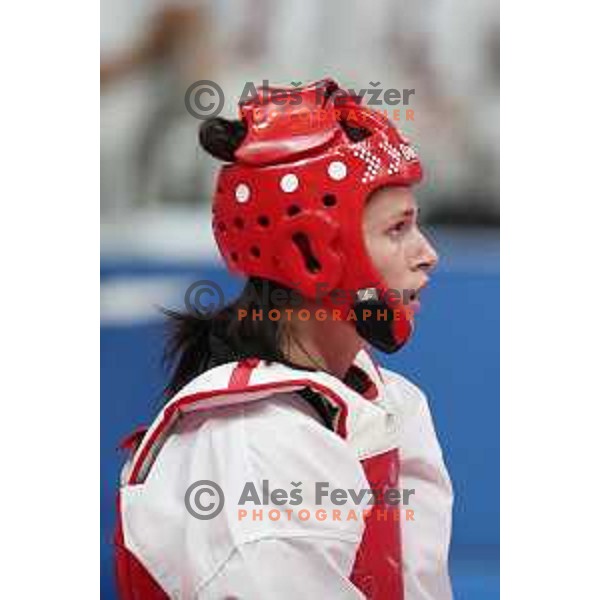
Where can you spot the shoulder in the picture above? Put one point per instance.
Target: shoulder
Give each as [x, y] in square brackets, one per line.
[280, 437]
[260, 454]
[275, 443]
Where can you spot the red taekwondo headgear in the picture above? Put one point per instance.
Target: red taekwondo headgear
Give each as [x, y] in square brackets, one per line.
[289, 206]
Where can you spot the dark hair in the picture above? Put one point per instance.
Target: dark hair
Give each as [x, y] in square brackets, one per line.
[200, 341]
[221, 138]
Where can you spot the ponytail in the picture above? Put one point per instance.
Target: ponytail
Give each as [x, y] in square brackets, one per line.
[221, 138]
[200, 341]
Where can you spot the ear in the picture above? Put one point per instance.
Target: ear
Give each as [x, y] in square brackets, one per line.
[306, 254]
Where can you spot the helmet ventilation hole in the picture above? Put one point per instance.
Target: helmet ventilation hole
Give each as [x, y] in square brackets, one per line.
[255, 251]
[294, 209]
[329, 200]
[263, 221]
[303, 244]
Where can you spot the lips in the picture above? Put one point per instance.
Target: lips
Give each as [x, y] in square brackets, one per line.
[414, 303]
[414, 306]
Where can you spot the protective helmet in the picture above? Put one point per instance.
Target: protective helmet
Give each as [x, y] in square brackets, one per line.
[289, 205]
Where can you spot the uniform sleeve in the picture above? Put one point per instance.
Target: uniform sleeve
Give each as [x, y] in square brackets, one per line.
[294, 568]
[282, 442]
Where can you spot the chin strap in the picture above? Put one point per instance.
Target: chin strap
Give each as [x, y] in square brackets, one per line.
[377, 331]
[377, 323]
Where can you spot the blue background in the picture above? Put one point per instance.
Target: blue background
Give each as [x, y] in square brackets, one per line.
[453, 357]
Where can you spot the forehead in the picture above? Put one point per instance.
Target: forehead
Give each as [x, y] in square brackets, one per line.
[389, 202]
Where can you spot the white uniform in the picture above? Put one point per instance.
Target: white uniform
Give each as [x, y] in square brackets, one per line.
[241, 423]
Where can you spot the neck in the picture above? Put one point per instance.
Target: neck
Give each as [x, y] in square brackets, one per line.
[327, 345]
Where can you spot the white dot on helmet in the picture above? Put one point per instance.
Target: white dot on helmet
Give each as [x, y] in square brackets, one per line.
[289, 183]
[242, 193]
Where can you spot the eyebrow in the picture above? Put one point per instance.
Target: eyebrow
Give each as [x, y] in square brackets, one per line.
[404, 214]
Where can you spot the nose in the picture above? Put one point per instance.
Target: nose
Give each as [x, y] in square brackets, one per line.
[427, 257]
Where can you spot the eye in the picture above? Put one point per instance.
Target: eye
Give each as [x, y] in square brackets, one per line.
[397, 228]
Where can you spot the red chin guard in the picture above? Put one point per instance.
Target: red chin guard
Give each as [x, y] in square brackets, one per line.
[290, 208]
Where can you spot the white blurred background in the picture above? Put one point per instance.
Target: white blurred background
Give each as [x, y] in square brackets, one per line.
[156, 183]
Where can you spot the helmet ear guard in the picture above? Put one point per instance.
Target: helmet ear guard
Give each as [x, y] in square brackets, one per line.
[289, 206]
[306, 257]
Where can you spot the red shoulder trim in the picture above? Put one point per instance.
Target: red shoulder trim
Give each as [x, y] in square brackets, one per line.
[241, 373]
[132, 441]
[174, 411]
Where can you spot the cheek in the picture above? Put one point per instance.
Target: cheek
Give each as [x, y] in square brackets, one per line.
[390, 259]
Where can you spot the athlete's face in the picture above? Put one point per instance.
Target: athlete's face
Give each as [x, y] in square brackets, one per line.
[396, 245]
